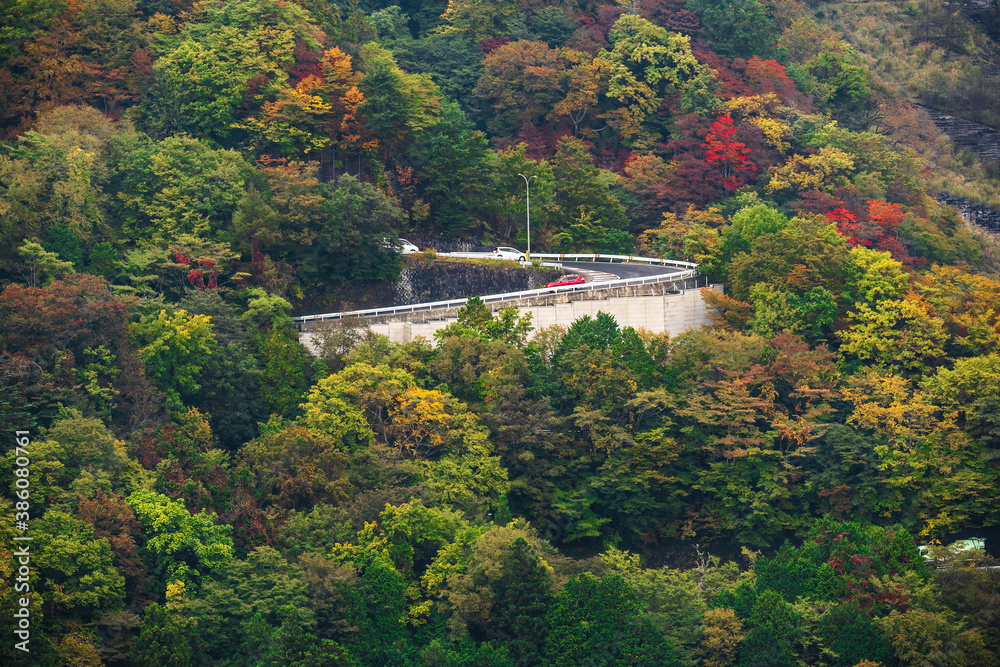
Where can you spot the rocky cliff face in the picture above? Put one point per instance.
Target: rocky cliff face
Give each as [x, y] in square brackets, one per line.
[424, 280]
[980, 214]
[982, 140]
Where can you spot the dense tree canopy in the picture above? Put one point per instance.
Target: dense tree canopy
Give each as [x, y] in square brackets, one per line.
[178, 179]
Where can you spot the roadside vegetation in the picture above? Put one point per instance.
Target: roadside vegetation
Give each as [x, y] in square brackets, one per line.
[177, 180]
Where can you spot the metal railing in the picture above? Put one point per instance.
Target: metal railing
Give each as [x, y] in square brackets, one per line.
[689, 270]
[572, 257]
[617, 258]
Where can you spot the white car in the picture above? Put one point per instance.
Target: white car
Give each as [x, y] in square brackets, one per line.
[505, 252]
[404, 246]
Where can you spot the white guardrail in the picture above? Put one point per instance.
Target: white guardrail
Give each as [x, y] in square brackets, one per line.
[686, 270]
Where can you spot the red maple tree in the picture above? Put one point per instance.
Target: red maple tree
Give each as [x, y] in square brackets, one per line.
[769, 76]
[879, 230]
[729, 155]
[886, 216]
[200, 269]
[847, 226]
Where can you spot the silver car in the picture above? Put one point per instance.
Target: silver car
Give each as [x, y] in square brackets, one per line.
[506, 252]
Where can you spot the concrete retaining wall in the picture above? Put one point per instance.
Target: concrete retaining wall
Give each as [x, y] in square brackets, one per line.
[670, 313]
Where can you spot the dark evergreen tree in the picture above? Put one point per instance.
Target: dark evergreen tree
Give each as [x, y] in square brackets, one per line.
[850, 633]
[794, 575]
[351, 244]
[103, 261]
[163, 640]
[454, 62]
[258, 637]
[450, 162]
[553, 25]
[231, 379]
[380, 639]
[737, 29]
[14, 415]
[600, 622]
[295, 646]
[597, 333]
[770, 642]
[632, 352]
[521, 600]
[62, 241]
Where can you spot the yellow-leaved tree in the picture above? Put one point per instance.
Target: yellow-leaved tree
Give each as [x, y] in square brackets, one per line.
[175, 347]
[934, 472]
[480, 20]
[761, 111]
[823, 170]
[899, 333]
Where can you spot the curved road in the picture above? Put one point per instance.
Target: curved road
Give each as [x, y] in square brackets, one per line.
[621, 270]
[594, 271]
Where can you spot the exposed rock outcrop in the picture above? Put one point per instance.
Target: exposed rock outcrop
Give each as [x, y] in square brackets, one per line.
[982, 140]
[980, 214]
[425, 280]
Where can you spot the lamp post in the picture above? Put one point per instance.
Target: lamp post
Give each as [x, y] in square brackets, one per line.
[527, 187]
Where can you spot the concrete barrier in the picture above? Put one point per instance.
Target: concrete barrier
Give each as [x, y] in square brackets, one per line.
[657, 307]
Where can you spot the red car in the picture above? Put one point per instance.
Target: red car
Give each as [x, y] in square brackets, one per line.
[570, 279]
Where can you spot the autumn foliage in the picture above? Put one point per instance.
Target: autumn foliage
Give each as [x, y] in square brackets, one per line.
[724, 152]
[211, 485]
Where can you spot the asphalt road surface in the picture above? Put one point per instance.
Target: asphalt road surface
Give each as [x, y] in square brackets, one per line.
[592, 271]
[620, 270]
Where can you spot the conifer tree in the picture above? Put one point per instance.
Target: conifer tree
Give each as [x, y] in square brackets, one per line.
[521, 600]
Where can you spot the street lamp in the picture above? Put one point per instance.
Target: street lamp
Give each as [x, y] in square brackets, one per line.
[527, 187]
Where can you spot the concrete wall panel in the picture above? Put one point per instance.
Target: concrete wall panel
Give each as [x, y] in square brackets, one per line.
[666, 313]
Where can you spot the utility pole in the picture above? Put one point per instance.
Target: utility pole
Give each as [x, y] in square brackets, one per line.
[527, 187]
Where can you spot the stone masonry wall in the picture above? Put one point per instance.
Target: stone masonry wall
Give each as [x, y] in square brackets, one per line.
[424, 280]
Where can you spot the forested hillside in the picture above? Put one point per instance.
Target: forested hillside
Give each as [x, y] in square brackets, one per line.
[178, 179]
